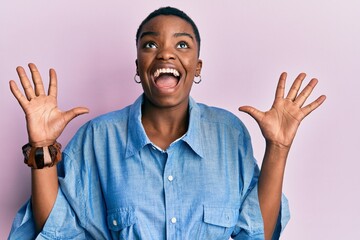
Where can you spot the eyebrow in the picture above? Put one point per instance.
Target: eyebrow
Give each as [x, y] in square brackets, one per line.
[150, 33]
[184, 34]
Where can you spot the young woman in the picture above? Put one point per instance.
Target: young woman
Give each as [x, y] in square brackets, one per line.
[164, 167]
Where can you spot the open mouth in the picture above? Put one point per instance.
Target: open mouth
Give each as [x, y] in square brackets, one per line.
[166, 77]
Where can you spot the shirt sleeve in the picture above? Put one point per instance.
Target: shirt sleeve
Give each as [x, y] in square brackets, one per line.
[79, 210]
[23, 226]
[250, 223]
[61, 224]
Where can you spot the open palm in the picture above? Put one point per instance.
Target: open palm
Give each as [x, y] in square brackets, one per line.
[45, 121]
[279, 124]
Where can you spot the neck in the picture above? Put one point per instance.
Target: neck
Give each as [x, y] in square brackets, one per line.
[164, 125]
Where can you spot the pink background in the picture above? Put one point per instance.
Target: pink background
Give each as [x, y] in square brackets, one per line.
[246, 45]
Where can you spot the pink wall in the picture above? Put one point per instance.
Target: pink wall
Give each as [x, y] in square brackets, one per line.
[246, 45]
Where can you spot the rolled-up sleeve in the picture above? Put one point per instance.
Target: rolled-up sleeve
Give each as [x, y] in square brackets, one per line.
[23, 226]
[61, 217]
[79, 210]
[250, 223]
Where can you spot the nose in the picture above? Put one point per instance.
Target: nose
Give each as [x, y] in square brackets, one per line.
[166, 53]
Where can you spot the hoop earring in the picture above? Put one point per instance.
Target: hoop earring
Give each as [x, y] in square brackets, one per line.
[137, 81]
[199, 80]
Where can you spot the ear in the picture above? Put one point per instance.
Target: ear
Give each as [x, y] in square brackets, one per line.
[198, 67]
[136, 63]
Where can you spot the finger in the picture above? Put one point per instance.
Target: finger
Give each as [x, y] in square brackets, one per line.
[295, 87]
[53, 83]
[253, 112]
[280, 89]
[314, 105]
[28, 89]
[36, 77]
[305, 93]
[17, 94]
[71, 114]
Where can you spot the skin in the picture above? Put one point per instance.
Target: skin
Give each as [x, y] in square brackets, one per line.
[45, 122]
[166, 42]
[165, 113]
[279, 126]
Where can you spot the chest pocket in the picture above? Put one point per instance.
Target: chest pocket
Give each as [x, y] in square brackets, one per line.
[121, 218]
[219, 222]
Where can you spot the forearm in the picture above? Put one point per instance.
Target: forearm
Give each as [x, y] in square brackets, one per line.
[270, 185]
[44, 193]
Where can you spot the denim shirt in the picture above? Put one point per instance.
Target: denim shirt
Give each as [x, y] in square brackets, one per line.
[114, 183]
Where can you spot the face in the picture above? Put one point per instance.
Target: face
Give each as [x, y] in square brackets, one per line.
[167, 61]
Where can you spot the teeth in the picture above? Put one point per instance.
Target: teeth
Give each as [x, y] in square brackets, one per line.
[166, 70]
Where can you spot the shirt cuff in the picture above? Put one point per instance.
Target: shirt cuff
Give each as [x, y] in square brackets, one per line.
[250, 224]
[61, 217]
[283, 219]
[23, 226]
[62, 222]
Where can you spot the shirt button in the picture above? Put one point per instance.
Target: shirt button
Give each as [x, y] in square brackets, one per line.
[170, 178]
[173, 220]
[114, 222]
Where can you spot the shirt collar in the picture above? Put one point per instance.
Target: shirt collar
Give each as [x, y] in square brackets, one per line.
[137, 137]
[194, 135]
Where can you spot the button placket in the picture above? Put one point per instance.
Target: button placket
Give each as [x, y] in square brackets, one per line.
[170, 195]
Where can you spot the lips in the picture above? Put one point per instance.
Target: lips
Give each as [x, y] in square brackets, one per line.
[166, 77]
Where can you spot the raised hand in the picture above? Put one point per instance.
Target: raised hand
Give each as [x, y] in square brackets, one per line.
[45, 121]
[280, 123]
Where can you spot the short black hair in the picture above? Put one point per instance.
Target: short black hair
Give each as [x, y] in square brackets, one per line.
[170, 11]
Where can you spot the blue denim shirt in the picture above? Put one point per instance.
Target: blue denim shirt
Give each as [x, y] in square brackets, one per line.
[116, 184]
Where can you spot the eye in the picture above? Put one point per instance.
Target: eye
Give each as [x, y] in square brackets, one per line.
[182, 45]
[150, 45]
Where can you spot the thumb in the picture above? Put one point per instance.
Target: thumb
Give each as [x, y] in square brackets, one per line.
[71, 114]
[253, 112]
